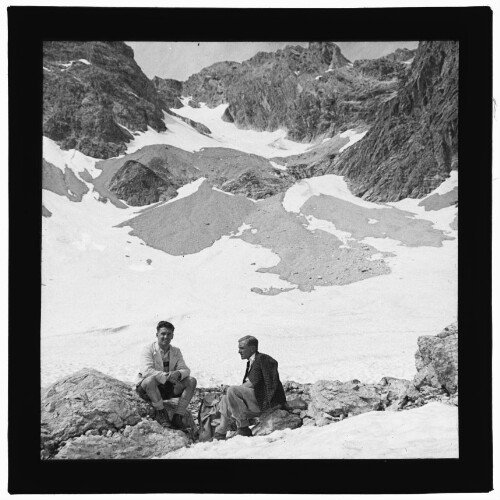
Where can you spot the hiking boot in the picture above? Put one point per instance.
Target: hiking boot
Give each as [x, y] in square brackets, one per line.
[219, 436]
[244, 431]
[161, 416]
[177, 422]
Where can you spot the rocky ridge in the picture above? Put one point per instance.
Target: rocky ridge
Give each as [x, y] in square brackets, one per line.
[91, 415]
[311, 92]
[154, 173]
[412, 145]
[95, 97]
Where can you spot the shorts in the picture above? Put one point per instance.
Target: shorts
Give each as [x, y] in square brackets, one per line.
[166, 391]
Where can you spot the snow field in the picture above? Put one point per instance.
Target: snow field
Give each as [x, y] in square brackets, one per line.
[104, 291]
[380, 435]
[99, 277]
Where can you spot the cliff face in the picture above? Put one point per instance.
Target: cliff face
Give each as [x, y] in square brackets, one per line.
[310, 92]
[413, 144]
[91, 90]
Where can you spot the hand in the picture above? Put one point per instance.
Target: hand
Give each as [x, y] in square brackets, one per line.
[174, 376]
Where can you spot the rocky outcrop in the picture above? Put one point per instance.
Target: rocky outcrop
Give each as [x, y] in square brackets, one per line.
[401, 55]
[95, 96]
[154, 173]
[437, 360]
[202, 129]
[170, 91]
[276, 421]
[343, 399]
[91, 415]
[413, 144]
[147, 439]
[85, 401]
[139, 185]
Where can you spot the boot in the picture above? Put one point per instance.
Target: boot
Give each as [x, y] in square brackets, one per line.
[219, 436]
[177, 422]
[244, 431]
[161, 416]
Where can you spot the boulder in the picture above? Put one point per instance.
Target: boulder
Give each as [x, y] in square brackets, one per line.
[87, 400]
[394, 392]
[338, 399]
[296, 403]
[147, 439]
[276, 421]
[437, 360]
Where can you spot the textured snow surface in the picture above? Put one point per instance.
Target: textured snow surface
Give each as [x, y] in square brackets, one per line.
[104, 291]
[430, 431]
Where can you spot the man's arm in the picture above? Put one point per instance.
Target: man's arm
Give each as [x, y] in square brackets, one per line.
[181, 367]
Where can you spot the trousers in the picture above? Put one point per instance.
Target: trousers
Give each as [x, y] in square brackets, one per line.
[238, 404]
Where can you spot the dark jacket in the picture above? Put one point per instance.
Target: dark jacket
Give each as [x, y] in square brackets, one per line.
[266, 382]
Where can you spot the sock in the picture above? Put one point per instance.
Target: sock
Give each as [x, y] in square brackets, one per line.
[182, 406]
[158, 405]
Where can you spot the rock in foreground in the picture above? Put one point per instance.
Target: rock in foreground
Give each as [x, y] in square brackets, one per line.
[87, 400]
[147, 439]
[437, 360]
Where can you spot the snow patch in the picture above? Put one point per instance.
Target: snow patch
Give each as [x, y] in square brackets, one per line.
[71, 159]
[353, 137]
[332, 185]
[329, 227]
[441, 219]
[277, 165]
[372, 221]
[224, 134]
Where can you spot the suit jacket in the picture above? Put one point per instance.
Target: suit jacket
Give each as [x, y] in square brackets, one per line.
[266, 382]
[152, 363]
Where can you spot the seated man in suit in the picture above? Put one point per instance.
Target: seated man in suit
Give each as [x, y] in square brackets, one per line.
[165, 375]
[261, 390]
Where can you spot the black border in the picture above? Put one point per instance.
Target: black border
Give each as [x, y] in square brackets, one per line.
[472, 27]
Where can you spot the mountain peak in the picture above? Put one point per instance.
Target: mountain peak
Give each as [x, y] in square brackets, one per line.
[330, 54]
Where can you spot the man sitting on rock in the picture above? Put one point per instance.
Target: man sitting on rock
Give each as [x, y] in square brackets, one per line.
[261, 391]
[165, 375]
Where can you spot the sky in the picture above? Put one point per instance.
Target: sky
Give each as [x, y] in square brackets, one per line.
[179, 60]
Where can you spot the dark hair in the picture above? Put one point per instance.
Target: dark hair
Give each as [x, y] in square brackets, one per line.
[250, 341]
[164, 324]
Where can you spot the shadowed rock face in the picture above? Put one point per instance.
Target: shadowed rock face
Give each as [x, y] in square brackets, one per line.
[413, 144]
[85, 104]
[154, 173]
[310, 91]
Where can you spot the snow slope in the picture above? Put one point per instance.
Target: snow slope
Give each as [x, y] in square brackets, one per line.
[227, 135]
[375, 435]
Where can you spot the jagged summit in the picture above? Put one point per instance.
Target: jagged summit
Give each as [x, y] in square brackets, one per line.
[92, 93]
[330, 53]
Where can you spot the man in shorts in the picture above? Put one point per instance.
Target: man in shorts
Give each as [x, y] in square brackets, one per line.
[165, 375]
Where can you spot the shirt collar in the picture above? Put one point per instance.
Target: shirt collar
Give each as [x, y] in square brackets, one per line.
[251, 359]
[158, 348]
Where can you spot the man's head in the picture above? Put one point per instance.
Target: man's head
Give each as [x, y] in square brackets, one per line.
[247, 346]
[164, 334]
